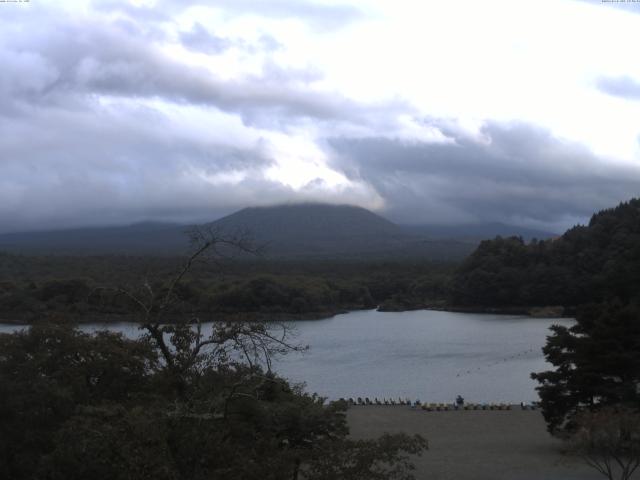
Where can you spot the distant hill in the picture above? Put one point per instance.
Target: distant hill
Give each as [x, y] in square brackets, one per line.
[478, 231]
[318, 230]
[310, 222]
[291, 231]
[586, 264]
[314, 230]
[140, 238]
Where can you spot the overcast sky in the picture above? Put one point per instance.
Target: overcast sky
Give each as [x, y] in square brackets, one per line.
[111, 112]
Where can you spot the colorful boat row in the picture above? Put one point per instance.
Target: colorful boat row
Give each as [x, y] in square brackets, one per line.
[430, 407]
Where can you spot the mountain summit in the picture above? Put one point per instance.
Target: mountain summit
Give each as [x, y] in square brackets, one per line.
[310, 221]
[293, 231]
[315, 229]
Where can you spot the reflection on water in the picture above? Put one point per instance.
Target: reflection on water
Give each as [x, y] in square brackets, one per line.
[426, 355]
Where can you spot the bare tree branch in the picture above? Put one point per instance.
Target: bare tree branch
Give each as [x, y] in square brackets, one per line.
[182, 344]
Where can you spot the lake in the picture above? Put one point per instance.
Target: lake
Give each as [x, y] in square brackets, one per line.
[427, 355]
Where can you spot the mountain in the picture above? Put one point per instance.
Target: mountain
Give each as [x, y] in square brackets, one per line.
[309, 222]
[476, 232]
[334, 231]
[140, 238]
[286, 231]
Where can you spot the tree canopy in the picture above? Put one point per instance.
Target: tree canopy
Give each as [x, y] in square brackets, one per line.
[597, 364]
[587, 264]
[77, 406]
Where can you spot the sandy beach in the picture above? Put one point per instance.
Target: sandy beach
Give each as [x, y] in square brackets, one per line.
[475, 445]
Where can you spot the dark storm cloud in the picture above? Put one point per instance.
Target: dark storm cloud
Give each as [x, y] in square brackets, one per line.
[624, 87]
[514, 173]
[62, 168]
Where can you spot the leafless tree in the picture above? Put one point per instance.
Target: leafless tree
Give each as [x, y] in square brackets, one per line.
[609, 441]
[181, 342]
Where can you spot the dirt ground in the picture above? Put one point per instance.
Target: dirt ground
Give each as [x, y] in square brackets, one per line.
[475, 445]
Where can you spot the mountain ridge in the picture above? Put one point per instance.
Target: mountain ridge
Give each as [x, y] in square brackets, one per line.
[289, 230]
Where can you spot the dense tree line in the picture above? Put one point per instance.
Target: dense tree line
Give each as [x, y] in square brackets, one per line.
[587, 264]
[89, 288]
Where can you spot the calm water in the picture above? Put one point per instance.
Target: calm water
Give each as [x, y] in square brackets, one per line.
[426, 355]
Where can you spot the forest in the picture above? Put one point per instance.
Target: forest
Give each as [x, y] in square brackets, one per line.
[591, 263]
[587, 264]
[88, 288]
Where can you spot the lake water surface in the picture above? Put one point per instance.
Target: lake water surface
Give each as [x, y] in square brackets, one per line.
[427, 355]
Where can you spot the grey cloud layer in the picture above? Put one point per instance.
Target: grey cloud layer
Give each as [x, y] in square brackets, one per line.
[318, 15]
[624, 87]
[514, 173]
[199, 39]
[86, 168]
[77, 147]
[80, 143]
[79, 58]
[79, 167]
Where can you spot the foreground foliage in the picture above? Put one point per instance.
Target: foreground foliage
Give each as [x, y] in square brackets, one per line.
[177, 403]
[77, 406]
[597, 364]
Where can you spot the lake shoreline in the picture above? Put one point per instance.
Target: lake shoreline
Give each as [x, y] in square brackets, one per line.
[417, 355]
[534, 312]
[548, 311]
[203, 318]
